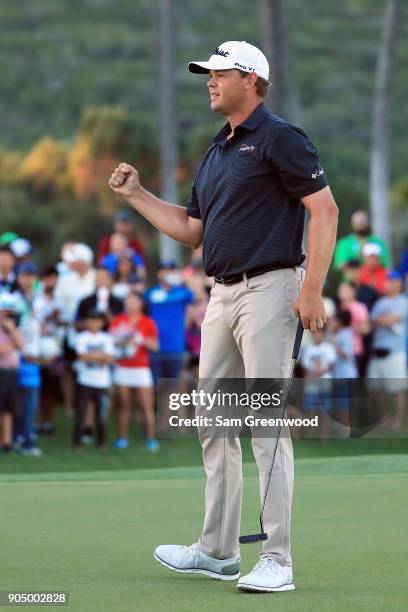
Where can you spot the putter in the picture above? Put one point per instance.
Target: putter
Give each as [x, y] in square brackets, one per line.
[258, 537]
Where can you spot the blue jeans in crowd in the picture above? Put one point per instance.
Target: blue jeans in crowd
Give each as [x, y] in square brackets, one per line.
[29, 401]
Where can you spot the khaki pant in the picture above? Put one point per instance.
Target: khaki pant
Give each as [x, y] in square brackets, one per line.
[248, 332]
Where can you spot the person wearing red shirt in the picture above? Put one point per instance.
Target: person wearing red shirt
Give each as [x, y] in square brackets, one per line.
[123, 225]
[373, 274]
[134, 335]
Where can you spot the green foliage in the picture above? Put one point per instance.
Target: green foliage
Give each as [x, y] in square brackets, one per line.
[83, 72]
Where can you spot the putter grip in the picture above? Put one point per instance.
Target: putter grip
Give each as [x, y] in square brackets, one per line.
[298, 340]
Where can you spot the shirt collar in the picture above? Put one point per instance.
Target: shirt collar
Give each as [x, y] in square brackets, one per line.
[250, 123]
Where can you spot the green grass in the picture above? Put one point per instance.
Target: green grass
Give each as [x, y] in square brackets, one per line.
[58, 456]
[92, 533]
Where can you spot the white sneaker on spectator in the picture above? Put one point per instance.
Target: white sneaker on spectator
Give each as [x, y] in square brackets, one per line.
[32, 452]
[267, 576]
[192, 560]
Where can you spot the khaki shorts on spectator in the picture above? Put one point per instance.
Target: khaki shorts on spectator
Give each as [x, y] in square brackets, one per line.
[132, 377]
[388, 374]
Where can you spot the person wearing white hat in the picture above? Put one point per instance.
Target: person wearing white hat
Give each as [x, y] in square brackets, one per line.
[71, 288]
[373, 274]
[247, 207]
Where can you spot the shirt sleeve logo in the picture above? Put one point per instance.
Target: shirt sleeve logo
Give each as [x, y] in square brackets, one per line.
[317, 173]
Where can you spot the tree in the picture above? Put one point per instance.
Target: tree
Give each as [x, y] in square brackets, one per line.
[283, 98]
[169, 248]
[379, 165]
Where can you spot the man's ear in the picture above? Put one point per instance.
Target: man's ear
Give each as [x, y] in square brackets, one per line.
[251, 79]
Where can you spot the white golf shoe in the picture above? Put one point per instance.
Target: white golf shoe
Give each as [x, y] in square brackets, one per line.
[192, 560]
[267, 576]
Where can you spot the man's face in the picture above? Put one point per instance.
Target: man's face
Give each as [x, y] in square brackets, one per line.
[392, 287]
[227, 90]
[50, 282]
[7, 262]
[359, 222]
[26, 281]
[353, 274]
[372, 261]
[103, 279]
[123, 227]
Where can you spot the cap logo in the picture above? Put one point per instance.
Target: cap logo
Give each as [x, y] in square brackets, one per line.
[246, 68]
[219, 51]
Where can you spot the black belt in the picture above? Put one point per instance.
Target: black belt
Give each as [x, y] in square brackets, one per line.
[233, 279]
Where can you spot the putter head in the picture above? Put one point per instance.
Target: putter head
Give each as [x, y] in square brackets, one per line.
[255, 537]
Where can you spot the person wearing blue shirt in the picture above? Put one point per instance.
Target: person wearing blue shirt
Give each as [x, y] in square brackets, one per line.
[167, 303]
[387, 370]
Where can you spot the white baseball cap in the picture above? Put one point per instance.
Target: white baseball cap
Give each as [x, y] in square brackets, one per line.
[371, 248]
[78, 252]
[234, 54]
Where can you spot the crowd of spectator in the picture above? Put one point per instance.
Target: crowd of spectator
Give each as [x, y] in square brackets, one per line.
[89, 333]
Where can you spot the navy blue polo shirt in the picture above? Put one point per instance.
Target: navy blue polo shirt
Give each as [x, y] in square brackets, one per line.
[247, 193]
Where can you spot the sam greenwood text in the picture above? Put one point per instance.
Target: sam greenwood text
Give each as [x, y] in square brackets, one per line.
[249, 420]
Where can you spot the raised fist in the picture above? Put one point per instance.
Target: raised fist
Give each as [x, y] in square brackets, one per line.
[125, 180]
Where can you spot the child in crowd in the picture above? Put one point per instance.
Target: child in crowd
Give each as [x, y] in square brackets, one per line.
[318, 361]
[135, 334]
[11, 343]
[29, 374]
[345, 366]
[95, 351]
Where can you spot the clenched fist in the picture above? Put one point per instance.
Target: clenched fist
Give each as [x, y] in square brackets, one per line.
[125, 180]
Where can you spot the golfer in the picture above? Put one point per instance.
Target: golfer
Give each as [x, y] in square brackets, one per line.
[247, 207]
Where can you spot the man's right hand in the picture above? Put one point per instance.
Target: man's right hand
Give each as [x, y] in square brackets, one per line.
[125, 180]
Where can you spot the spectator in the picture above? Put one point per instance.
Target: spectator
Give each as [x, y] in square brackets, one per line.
[8, 282]
[119, 248]
[127, 279]
[71, 288]
[387, 369]
[364, 293]
[27, 275]
[21, 249]
[95, 355]
[11, 343]
[167, 303]
[135, 334]
[345, 367]
[373, 274]
[404, 269]
[48, 311]
[101, 300]
[359, 321]
[318, 362]
[64, 266]
[29, 376]
[123, 225]
[350, 247]
[79, 282]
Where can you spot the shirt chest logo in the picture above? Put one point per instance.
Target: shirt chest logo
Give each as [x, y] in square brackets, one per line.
[244, 148]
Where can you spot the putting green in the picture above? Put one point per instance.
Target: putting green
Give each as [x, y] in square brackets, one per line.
[93, 534]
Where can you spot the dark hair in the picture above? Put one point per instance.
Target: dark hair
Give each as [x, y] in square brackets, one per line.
[353, 263]
[95, 314]
[261, 85]
[49, 271]
[141, 297]
[344, 317]
[105, 269]
[5, 248]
